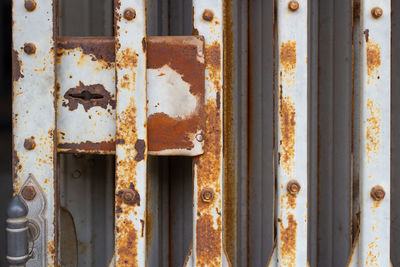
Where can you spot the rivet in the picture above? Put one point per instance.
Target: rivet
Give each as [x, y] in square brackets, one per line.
[377, 12]
[200, 137]
[29, 143]
[76, 174]
[29, 48]
[207, 195]
[377, 193]
[129, 13]
[208, 15]
[129, 196]
[28, 192]
[30, 5]
[293, 187]
[293, 5]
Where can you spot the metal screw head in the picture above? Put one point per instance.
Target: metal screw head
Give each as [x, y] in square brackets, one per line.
[200, 137]
[129, 13]
[29, 48]
[129, 196]
[207, 195]
[208, 15]
[76, 174]
[293, 5]
[293, 187]
[377, 12]
[30, 5]
[28, 192]
[377, 193]
[29, 143]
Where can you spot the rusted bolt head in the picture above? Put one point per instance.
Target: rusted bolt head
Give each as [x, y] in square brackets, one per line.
[377, 12]
[377, 193]
[29, 143]
[200, 137]
[129, 196]
[293, 5]
[129, 13]
[30, 5]
[293, 187]
[207, 195]
[208, 15]
[29, 48]
[28, 192]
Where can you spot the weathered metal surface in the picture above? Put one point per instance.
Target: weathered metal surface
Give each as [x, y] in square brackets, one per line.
[86, 119]
[208, 169]
[34, 114]
[175, 80]
[131, 134]
[291, 133]
[373, 246]
[86, 95]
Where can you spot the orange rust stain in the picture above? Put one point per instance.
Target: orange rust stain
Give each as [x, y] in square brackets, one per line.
[288, 241]
[127, 59]
[288, 56]
[287, 114]
[372, 257]
[213, 56]
[51, 250]
[373, 129]
[127, 244]
[290, 200]
[208, 241]
[373, 59]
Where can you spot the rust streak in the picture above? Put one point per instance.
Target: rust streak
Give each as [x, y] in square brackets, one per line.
[88, 146]
[288, 241]
[16, 67]
[373, 130]
[287, 114]
[373, 60]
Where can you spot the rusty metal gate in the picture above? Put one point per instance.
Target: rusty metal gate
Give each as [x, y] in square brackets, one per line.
[204, 133]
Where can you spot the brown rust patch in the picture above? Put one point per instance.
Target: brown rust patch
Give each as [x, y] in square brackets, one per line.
[213, 55]
[288, 56]
[94, 95]
[140, 147]
[287, 114]
[128, 59]
[208, 240]
[373, 131]
[373, 59]
[127, 244]
[16, 67]
[88, 147]
[288, 241]
[98, 48]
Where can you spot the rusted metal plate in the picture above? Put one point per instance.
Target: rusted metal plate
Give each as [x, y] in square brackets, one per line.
[208, 247]
[175, 82]
[86, 95]
[34, 120]
[373, 245]
[131, 134]
[292, 134]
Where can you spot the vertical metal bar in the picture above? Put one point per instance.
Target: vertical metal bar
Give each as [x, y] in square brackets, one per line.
[131, 139]
[374, 240]
[34, 119]
[292, 134]
[208, 168]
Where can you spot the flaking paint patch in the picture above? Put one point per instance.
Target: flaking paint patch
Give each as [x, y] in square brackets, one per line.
[373, 131]
[288, 241]
[287, 114]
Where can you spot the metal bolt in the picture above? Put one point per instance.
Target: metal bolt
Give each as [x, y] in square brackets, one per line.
[377, 12]
[30, 5]
[28, 192]
[29, 143]
[377, 193]
[129, 13]
[208, 15]
[76, 174]
[29, 48]
[293, 5]
[207, 195]
[200, 137]
[293, 187]
[129, 196]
